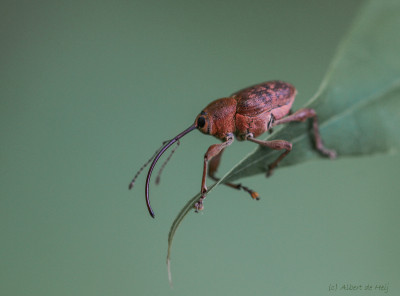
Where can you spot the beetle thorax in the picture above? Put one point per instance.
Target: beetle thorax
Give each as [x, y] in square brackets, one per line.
[218, 118]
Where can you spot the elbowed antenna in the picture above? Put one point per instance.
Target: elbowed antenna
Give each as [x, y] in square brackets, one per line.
[163, 149]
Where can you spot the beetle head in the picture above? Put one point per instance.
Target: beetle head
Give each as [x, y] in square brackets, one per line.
[204, 123]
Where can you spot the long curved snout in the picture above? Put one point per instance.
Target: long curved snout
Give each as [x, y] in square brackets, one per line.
[156, 158]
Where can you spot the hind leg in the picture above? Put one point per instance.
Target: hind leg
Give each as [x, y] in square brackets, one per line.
[302, 115]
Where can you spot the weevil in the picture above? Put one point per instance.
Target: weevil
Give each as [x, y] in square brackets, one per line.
[246, 115]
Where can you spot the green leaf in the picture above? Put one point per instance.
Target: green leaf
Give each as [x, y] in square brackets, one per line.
[358, 102]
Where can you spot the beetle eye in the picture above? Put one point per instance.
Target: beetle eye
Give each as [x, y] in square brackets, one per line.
[201, 122]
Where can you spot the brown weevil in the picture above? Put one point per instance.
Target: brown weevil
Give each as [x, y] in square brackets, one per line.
[245, 115]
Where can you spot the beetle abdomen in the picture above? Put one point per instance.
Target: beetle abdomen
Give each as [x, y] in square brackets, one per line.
[264, 97]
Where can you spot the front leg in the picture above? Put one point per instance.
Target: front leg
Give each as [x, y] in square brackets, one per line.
[212, 151]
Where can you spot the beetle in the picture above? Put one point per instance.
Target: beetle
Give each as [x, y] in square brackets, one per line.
[246, 115]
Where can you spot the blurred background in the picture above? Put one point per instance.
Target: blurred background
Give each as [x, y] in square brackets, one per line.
[90, 89]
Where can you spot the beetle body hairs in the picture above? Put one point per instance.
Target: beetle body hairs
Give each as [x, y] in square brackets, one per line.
[244, 115]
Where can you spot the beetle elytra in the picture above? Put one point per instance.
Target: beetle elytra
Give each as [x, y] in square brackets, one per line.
[245, 115]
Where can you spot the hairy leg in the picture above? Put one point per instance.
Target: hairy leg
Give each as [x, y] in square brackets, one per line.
[212, 169]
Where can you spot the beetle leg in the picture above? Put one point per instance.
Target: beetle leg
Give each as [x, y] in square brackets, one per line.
[275, 145]
[212, 151]
[212, 168]
[270, 122]
[302, 115]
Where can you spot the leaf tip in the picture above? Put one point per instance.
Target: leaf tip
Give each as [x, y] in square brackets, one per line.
[169, 273]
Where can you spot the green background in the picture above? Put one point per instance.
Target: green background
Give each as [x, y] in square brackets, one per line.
[89, 90]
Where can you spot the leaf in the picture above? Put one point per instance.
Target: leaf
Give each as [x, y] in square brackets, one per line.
[358, 102]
